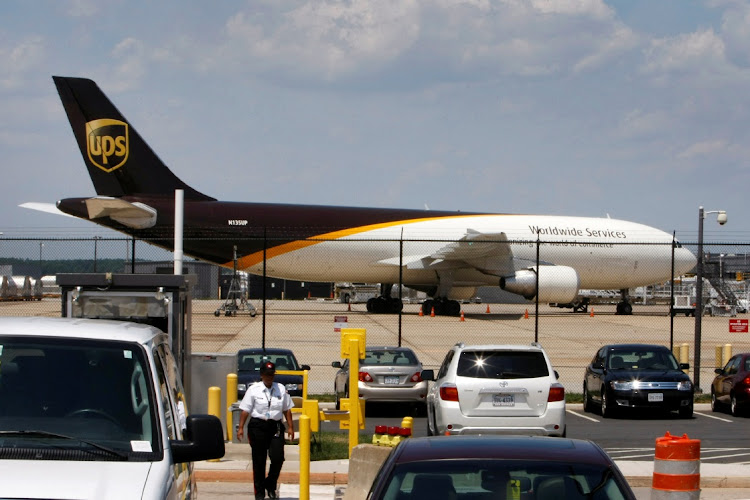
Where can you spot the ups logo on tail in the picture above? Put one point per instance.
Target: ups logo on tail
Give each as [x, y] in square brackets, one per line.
[107, 143]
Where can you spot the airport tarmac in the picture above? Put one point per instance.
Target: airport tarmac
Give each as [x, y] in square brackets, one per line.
[571, 339]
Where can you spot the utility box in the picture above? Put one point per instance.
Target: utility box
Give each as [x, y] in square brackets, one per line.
[160, 300]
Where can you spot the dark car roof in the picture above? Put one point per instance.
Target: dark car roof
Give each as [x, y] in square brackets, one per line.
[612, 347]
[267, 350]
[386, 348]
[553, 449]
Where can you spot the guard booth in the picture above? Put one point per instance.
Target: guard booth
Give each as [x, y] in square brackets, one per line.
[160, 300]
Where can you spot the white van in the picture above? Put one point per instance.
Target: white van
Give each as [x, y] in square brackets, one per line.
[93, 409]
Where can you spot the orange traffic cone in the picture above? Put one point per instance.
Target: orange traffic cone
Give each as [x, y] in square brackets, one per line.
[420, 311]
[462, 316]
[488, 308]
[526, 314]
[592, 312]
[432, 313]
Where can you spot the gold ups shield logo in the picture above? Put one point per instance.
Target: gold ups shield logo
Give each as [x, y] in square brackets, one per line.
[107, 143]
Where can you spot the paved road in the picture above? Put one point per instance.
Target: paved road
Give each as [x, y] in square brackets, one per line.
[724, 438]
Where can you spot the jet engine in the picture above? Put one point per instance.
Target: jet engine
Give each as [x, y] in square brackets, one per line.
[556, 283]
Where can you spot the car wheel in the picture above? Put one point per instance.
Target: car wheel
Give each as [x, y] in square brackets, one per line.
[607, 410]
[733, 406]
[686, 412]
[586, 399]
[714, 402]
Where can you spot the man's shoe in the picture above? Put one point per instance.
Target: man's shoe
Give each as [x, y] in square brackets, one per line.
[272, 495]
[260, 496]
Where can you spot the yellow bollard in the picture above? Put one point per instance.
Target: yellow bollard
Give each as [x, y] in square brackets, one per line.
[685, 355]
[354, 415]
[727, 353]
[718, 353]
[214, 406]
[304, 457]
[231, 389]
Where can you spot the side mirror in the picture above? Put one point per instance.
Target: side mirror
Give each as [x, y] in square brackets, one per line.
[719, 371]
[305, 367]
[428, 375]
[684, 366]
[204, 440]
[336, 364]
[598, 365]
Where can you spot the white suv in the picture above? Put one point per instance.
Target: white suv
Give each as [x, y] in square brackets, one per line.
[495, 389]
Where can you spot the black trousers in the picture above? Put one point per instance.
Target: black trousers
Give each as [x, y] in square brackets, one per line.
[266, 439]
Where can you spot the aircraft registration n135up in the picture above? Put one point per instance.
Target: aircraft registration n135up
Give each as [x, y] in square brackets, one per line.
[445, 254]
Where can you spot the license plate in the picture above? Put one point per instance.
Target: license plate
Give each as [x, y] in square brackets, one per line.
[503, 400]
[391, 380]
[655, 397]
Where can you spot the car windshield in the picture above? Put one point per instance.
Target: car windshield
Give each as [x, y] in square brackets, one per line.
[502, 364]
[250, 362]
[640, 359]
[76, 394]
[389, 357]
[475, 478]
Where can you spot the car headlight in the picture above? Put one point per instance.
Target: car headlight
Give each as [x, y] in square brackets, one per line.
[291, 387]
[685, 385]
[622, 385]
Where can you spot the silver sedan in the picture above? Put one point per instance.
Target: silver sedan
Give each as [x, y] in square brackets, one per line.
[387, 374]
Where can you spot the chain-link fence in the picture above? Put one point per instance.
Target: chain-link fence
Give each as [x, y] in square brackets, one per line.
[301, 314]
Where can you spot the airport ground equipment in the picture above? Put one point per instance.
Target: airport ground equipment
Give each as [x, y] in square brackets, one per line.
[160, 300]
[236, 300]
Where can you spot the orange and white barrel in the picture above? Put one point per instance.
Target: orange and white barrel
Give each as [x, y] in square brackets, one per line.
[676, 468]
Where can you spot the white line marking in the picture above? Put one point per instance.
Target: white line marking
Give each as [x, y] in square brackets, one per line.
[724, 456]
[713, 416]
[582, 416]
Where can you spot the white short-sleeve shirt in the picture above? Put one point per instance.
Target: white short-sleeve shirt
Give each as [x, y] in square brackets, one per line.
[266, 403]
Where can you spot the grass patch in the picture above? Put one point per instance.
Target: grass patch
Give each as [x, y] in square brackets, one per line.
[333, 445]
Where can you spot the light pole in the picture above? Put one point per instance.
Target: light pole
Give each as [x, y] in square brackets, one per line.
[721, 218]
[41, 245]
[96, 240]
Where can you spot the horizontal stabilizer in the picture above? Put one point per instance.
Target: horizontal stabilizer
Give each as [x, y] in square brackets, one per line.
[135, 215]
[50, 208]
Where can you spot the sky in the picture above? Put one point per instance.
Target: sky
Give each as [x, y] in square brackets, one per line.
[633, 109]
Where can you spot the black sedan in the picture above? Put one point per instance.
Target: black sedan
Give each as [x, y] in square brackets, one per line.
[248, 369]
[731, 386]
[630, 376]
[471, 466]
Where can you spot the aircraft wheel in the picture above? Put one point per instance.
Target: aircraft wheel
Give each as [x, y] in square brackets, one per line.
[217, 313]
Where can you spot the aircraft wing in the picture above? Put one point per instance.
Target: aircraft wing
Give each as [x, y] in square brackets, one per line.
[49, 208]
[487, 252]
[136, 215]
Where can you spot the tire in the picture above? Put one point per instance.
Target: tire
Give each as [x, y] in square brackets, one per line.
[686, 412]
[714, 402]
[430, 424]
[586, 400]
[607, 410]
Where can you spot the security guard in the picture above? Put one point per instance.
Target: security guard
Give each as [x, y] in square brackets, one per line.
[266, 402]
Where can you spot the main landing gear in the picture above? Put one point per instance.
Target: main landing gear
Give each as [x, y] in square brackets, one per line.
[385, 304]
[624, 308]
[443, 307]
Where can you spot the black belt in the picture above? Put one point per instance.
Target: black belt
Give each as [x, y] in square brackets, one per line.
[264, 420]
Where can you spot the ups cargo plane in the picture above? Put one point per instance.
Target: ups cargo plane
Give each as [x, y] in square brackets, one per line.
[445, 254]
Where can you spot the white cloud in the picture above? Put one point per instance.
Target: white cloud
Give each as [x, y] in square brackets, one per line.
[697, 52]
[18, 59]
[705, 148]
